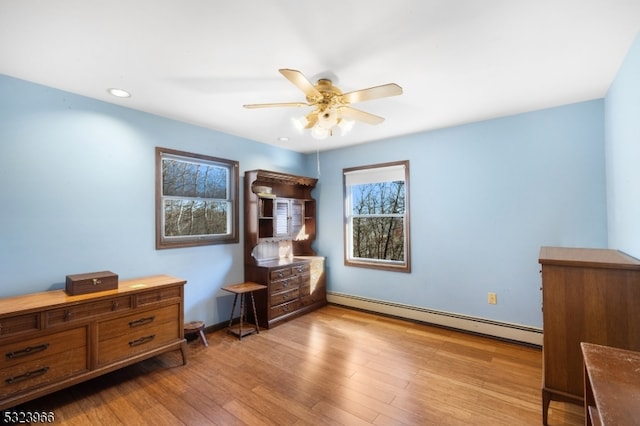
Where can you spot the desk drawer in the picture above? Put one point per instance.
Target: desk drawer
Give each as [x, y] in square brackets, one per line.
[127, 336]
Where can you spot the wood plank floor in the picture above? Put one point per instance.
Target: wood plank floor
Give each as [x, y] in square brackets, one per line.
[335, 366]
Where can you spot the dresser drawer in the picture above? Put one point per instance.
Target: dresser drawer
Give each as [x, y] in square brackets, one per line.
[284, 284]
[309, 296]
[284, 308]
[42, 360]
[86, 311]
[19, 324]
[20, 351]
[299, 269]
[41, 371]
[124, 337]
[283, 296]
[160, 295]
[138, 321]
[280, 273]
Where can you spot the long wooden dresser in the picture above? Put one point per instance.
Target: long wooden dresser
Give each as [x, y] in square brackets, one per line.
[51, 340]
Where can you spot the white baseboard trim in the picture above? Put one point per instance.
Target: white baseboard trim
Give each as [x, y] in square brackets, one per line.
[498, 329]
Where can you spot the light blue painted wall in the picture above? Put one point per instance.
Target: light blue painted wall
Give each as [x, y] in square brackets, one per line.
[77, 193]
[622, 123]
[484, 198]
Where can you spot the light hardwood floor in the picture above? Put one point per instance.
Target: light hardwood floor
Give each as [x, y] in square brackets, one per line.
[335, 366]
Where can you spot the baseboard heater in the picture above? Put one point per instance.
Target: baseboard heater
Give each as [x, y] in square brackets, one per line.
[497, 329]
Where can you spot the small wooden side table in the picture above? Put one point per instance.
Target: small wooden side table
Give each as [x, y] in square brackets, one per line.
[241, 290]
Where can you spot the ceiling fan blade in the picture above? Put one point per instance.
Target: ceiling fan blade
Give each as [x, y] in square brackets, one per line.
[358, 115]
[376, 92]
[312, 119]
[277, 105]
[297, 78]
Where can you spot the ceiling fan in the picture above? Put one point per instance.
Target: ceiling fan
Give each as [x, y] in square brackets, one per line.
[332, 106]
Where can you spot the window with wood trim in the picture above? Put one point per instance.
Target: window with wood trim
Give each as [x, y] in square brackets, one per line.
[196, 199]
[376, 218]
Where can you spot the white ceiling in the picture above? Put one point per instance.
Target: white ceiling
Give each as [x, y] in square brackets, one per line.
[199, 61]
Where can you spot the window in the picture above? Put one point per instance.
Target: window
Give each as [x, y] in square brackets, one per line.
[196, 199]
[377, 216]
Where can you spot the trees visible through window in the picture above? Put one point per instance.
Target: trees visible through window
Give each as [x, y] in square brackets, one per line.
[377, 216]
[196, 199]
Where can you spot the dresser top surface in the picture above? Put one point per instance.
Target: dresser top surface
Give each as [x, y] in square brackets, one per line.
[285, 261]
[53, 298]
[615, 382]
[597, 258]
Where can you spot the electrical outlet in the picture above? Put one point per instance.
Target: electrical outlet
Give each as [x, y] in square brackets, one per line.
[492, 298]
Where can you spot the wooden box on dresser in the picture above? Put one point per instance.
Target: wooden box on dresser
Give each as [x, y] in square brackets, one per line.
[280, 227]
[588, 295]
[52, 340]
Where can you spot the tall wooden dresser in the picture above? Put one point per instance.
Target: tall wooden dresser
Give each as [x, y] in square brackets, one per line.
[588, 295]
[51, 340]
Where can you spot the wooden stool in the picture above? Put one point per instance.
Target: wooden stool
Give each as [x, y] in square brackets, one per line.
[195, 327]
[242, 289]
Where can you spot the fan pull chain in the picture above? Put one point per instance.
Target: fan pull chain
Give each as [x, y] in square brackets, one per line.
[318, 159]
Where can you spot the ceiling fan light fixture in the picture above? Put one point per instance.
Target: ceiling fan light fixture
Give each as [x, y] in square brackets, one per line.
[345, 126]
[320, 132]
[328, 119]
[330, 105]
[300, 123]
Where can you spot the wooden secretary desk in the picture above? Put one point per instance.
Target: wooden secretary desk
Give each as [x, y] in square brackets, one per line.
[280, 227]
[588, 295]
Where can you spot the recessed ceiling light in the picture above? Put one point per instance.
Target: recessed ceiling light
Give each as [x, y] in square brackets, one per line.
[283, 139]
[119, 93]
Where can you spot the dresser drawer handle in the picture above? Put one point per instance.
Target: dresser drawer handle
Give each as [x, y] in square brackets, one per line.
[27, 351]
[27, 375]
[280, 274]
[142, 321]
[142, 340]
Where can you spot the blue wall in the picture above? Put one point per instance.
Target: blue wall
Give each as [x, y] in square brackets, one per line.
[484, 198]
[622, 123]
[78, 195]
